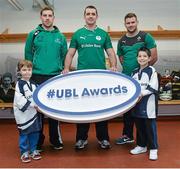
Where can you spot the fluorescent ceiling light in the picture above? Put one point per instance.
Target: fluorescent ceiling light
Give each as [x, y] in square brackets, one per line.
[43, 3]
[16, 4]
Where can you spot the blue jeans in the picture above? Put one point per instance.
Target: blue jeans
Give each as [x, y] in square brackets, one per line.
[28, 142]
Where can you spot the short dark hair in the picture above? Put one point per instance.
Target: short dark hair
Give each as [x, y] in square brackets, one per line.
[7, 74]
[47, 8]
[144, 49]
[130, 15]
[91, 7]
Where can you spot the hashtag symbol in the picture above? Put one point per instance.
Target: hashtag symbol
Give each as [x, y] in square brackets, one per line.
[51, 93]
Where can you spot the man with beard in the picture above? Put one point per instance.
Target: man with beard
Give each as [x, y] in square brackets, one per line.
[127, 49]
[46, 48]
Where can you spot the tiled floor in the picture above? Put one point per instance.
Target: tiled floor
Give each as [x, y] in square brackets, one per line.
[93, 157]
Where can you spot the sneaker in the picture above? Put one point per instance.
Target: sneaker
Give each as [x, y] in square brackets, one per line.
[104, 144]
[124, 140]
[138, 150]
[25, 158]
[39, 148]
[80, 144]
[153, 155]
[36, 155]
[58, 147]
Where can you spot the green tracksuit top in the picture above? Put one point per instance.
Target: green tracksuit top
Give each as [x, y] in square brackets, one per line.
[46, 50]
[91, 45]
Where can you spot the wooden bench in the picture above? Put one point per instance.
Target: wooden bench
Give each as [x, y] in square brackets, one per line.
[169, 108]
[170, 102]
[166, 108]
[6, 105]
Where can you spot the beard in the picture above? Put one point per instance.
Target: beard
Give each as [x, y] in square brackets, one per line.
[47, 25]
[132, 31]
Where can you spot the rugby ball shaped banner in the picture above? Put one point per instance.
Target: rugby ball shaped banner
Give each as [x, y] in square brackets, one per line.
[87, 96]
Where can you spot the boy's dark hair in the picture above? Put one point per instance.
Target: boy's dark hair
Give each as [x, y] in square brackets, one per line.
[91, 7]
[130, 15]
[145, 50]
[47, 8]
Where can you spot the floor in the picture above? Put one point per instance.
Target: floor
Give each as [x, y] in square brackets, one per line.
[93, 157]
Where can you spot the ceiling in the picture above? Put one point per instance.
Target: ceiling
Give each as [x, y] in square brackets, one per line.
[24, 4]
[120, 4]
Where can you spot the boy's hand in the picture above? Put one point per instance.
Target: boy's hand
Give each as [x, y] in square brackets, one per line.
[139, 98]
[37, 109]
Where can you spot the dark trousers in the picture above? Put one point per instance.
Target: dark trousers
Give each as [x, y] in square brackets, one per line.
[101, 131]
[54, 131]
[146, 133]
[128, 124]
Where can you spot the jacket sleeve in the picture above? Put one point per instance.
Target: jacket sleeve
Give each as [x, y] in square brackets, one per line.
[20, 100]
[152, 86]
[29, 47]
[64, 50]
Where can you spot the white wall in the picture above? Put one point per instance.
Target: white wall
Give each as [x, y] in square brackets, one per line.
[69, 17]
[168, 55]
[69, 14]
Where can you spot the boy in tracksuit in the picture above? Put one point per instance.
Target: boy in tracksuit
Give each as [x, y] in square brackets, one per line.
[27, 118]
[146, 109]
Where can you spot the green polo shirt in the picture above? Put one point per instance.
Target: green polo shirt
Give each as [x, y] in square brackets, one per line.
[90, 45]
[128, 48]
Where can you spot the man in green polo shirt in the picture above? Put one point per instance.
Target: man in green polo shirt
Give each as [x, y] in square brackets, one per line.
[127, 49]
[90, 42]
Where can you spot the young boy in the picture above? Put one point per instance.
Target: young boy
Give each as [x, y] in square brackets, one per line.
[146, 109]
[25, 113]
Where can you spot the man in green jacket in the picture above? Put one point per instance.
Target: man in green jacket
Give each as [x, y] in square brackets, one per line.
[46, 48]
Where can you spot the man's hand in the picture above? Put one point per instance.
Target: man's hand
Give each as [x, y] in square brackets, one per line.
[65, 71]
[121, 59]
[139, 98]
[113, 68]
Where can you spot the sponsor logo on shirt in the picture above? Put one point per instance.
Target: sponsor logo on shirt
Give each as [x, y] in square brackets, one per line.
[124, 41]
[90, 46]
[58, 40]
[98, 38]
[82, 37]
[138, 38]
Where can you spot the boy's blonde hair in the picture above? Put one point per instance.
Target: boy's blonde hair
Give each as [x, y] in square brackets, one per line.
[22, 63]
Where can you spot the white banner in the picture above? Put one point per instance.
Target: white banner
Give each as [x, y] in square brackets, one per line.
[87, 96]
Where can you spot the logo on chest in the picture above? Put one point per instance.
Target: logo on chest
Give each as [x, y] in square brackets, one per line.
[98, 38]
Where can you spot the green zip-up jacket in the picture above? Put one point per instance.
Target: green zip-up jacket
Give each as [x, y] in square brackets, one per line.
[46, 50]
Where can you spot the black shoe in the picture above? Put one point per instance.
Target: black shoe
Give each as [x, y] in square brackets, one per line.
[58, 147]
[80, 144]
[124, 139]
[104, 144]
